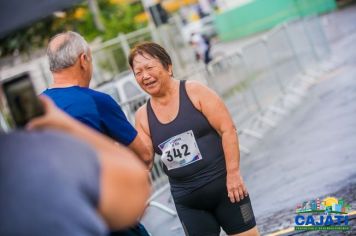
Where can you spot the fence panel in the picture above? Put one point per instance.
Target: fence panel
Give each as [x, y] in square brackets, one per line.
[228, 76]
[284, 60]
[317, 37]
[261, 77]
[301, 44]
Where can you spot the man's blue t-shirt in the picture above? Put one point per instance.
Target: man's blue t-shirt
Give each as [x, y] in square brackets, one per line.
[95, 109]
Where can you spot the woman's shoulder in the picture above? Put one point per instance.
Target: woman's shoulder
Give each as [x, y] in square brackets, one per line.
[141, 118]
[200, 93]
[141, 112]
[194, 85]
[196, 89]
[142, 109]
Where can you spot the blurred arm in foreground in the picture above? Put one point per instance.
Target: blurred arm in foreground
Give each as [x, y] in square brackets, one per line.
[124, 186]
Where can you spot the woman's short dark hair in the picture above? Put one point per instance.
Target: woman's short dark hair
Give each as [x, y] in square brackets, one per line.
[152, 49]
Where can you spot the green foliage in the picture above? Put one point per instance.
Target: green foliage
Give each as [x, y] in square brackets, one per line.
[115, 17]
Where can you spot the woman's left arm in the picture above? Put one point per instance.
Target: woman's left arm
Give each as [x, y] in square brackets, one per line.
[214, 109]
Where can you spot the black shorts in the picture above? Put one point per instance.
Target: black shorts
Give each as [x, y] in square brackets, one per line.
[204, 211]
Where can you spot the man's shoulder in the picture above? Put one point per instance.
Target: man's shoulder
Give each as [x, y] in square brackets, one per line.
[90, 92]
[68, 92]
[77, 93]
[98, 96]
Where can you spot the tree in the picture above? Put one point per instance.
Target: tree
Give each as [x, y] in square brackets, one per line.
[116, 17]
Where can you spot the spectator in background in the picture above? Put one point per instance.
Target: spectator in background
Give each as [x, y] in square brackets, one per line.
[200, 11]
[70, 62]
[201, 45]
[67, 180]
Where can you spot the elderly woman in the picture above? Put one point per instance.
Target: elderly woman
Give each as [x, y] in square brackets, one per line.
[190, 127]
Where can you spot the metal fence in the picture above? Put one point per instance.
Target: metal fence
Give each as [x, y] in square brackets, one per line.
[335, 23]
[110, 57]
[265, 79]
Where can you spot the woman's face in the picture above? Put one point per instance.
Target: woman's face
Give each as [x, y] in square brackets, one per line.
[150, 73]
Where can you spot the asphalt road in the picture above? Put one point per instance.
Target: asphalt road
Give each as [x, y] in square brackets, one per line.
[312, 152]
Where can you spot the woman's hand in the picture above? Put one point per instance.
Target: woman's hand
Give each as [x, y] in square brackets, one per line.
[235, 186]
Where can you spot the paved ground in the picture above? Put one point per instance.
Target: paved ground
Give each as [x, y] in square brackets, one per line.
[310, 154]
[284, 219]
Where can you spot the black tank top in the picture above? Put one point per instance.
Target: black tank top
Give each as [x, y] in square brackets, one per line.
[200, 169]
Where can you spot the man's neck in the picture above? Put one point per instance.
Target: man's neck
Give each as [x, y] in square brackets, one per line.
[57, 84]
[64, 80]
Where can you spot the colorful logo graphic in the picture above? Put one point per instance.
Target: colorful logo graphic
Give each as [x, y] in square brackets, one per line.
[328, 214]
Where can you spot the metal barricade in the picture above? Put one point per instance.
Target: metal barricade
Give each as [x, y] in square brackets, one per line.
[262, 80]
[301, 44]
[197, 73]
[335, 23]
[281, 54]
[108, 62]
[38, 69]
[158, 178]
[317, 37]
[131, 106]
[286, 66]
[230, 80]
[269, 76]
[138, 36]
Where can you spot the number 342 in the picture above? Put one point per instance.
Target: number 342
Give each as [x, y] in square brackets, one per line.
[180, 152]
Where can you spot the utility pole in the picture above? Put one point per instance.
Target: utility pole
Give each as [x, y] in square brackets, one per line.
[94, 8]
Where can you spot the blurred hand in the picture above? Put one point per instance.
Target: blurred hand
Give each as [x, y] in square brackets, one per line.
[53, 118]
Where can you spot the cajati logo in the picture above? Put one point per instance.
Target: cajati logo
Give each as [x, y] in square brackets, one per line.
[327, 214]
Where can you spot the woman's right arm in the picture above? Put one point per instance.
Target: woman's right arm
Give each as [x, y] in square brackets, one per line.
[141, 125]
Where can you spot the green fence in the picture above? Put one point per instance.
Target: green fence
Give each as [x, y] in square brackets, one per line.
[261, 15]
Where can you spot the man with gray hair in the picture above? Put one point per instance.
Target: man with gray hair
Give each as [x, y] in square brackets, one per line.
[70, 62]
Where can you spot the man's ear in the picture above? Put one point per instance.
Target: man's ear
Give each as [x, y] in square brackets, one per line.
[83, 59]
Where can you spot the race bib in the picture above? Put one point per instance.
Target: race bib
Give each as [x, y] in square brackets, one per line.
[180, 150]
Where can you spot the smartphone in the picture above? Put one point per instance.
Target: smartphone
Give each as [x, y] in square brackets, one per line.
[22, 101]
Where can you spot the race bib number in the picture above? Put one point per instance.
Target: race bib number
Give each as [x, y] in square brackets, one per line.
[180, 150]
